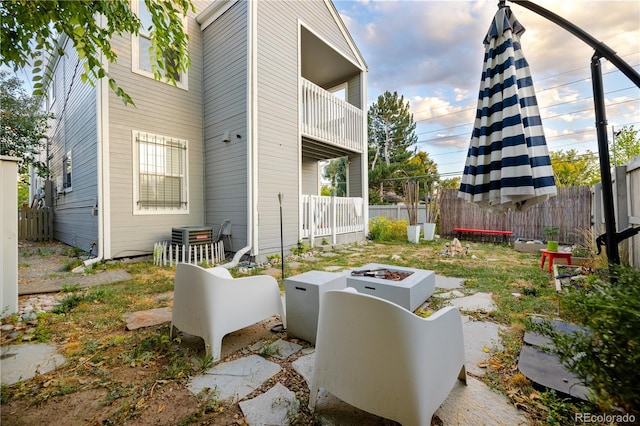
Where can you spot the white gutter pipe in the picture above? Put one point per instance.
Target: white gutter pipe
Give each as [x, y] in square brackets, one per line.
[236, 257]
[252, 173]
[102, 133]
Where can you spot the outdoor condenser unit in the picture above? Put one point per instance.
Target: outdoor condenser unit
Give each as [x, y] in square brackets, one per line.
[191, 235]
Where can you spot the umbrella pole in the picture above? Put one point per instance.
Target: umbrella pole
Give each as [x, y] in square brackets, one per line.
[601, 50]
[613, 254]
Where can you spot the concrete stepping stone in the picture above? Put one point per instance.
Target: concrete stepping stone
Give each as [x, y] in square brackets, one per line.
[147, 318]
[235, 379]
[328, 254]
[479, 338]
[334, 268]
[449, 294]
[304, 367]
[275, 407]
[476, 404]
[285, 349]
[449, 283]
[23, 362]
[476, 302]
[282, 349]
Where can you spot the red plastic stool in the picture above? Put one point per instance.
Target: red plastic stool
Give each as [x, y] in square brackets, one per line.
[552, 255]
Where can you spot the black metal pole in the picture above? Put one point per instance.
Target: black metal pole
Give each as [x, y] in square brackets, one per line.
[613, 253]
[280, 198]
[601, 51]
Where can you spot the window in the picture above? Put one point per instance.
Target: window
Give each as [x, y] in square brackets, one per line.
[160, 174]
[339, 91]
[66, 172]
[141, 57]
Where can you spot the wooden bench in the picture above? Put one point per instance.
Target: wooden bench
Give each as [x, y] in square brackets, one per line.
[506, 235]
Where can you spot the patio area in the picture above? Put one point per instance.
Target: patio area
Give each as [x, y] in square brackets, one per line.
[481, 293]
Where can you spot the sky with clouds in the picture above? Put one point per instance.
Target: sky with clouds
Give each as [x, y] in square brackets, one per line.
[431, 53]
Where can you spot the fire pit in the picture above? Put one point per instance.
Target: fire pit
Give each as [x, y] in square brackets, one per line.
[407, 287]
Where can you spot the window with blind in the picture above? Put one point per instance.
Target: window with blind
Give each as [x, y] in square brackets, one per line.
[160, 165]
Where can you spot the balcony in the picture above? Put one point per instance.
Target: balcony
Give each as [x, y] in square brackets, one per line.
[328, 119]
[323, 216]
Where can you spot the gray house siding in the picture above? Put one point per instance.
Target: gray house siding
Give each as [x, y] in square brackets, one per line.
[74, 131]
[160, 109]
[310, 171]
[354, 91]
[278, 110]
[225, 110]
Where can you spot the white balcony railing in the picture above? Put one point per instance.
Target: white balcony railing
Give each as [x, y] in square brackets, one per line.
[329, 216]
[327, 118]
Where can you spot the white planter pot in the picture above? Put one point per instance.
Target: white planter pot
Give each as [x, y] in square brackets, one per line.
[429, 231]
[413, 233]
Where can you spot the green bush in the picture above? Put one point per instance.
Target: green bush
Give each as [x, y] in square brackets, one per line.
[383, 229]
[607, 357]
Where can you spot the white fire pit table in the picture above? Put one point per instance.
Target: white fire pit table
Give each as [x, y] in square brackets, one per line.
[410, 291]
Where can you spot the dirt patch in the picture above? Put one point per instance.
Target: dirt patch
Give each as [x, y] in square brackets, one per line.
[44, 261]
[103, 387]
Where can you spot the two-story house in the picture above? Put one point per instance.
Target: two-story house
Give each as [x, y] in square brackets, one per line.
[275, 88]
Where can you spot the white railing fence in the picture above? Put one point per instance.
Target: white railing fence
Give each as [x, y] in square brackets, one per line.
[330, 119]
[165, 253]
[323, 216]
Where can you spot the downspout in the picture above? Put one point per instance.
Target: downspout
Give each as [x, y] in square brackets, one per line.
[252, 138]
[102, 150]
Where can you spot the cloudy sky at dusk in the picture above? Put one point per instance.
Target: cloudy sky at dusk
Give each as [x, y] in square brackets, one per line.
[431, 53]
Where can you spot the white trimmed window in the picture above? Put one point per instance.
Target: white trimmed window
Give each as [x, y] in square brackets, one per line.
[140, 45]
[160, 174]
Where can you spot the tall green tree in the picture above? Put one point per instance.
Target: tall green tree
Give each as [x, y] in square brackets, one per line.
[451, 183]
[391, 134]
[30, 27]
[423, 168]
[626, 145]
[23, 125]
[336, 172]
[571, 168]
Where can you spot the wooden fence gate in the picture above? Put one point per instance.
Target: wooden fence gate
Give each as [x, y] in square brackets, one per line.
[35, 224]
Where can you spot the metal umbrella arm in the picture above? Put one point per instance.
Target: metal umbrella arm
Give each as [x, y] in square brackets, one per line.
[602, 50]
[620, 236]
[611, 237]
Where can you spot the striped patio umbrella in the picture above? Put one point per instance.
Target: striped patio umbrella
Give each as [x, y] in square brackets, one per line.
[508, 165]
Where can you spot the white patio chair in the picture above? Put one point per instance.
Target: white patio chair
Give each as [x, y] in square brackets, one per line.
[381, 358]
[210, 303]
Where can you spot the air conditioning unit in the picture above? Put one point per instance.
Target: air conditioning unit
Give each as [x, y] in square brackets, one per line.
[191, 235]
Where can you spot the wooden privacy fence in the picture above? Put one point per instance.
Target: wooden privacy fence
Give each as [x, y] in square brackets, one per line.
[570, 210]
[35, 224]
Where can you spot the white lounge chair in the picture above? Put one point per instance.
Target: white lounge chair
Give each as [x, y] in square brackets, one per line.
[210, 303]
[381, 358]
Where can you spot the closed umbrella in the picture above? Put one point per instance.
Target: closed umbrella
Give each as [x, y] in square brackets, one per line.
[508, 165]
